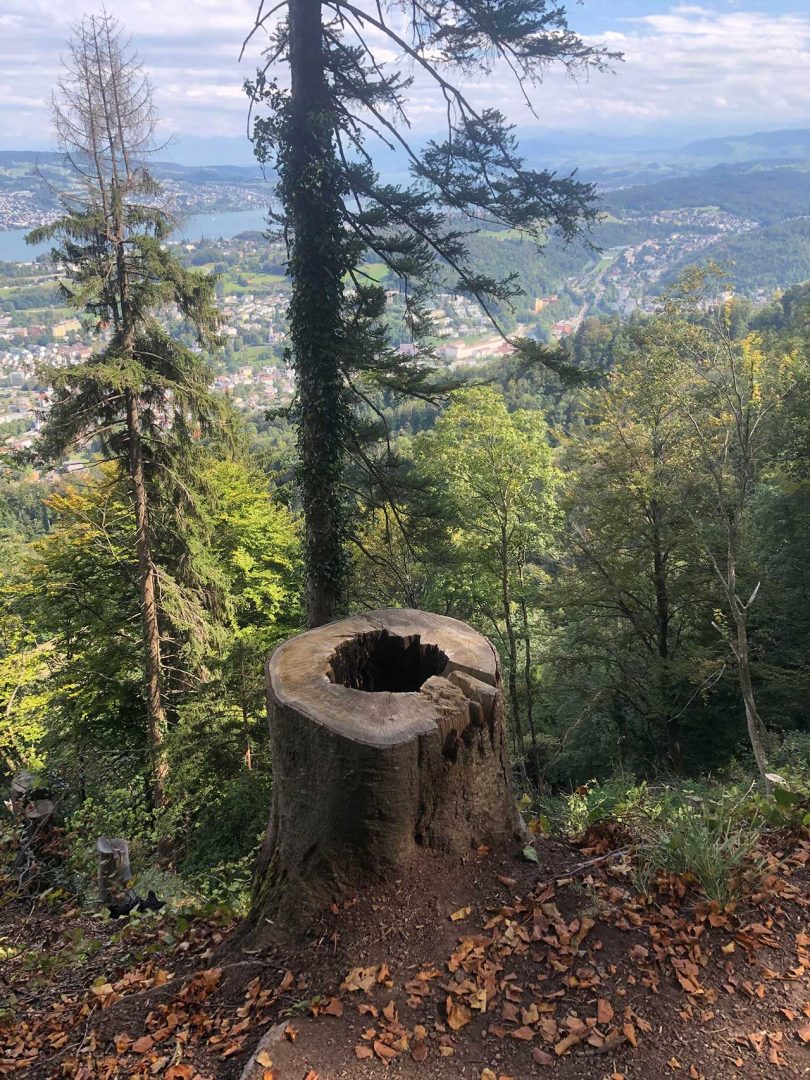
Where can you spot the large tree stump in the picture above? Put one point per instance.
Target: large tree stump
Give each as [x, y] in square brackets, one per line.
[388, 737]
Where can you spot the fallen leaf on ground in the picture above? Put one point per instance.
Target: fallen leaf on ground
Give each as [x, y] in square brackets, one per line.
[524, 1033]
[383, 1051]
[458, 1016]
[604, 1011]
[565, 1044]
[542, 1057]
[180, 1072]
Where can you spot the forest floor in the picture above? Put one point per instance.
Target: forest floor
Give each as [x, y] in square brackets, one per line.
[486, 968]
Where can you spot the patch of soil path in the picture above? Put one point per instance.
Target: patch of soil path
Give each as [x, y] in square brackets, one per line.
[484, 968]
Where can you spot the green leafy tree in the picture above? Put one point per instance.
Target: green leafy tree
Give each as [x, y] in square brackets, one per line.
[733, 397]
[492, 474]
[257, 544]
[635, 587]
[76, 589]
[320, 136]
[142, 396]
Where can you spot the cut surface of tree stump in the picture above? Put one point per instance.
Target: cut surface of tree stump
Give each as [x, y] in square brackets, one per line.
[388, 737]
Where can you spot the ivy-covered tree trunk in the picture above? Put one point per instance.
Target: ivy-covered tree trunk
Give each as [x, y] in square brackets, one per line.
[312, 196]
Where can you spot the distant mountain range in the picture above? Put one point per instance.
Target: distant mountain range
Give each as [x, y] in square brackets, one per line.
[12, 161]
[645, 156]
[766, 192]
[761, 146]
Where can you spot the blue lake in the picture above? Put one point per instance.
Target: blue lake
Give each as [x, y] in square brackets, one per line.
[13, 247]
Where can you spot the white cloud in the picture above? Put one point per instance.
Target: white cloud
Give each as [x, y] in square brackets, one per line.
[700, 65]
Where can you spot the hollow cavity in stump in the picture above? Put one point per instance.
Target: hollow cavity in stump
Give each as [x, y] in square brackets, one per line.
[388, 737]
[378, 661]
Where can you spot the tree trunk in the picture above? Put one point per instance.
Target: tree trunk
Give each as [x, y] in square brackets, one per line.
[155, 711]
[317, 264]
[527, 677]
[511, 642]
[671, 723]
[388, 738]
[756, 728]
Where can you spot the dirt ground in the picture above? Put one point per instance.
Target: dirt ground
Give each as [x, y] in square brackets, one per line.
[485, 968]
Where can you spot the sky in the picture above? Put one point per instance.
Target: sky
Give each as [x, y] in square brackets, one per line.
[736, 66]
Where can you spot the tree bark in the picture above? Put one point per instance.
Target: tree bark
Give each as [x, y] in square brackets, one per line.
[316, 268]
[753, 720]
[671, 724]
[388, 738]
[527, 677]
[155, 711]
[511, 640]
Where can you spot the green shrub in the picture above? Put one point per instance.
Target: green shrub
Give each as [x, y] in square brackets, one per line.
[710, 839]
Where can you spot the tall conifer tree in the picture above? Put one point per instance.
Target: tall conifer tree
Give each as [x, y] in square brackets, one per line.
[320, 136]
[142, 395]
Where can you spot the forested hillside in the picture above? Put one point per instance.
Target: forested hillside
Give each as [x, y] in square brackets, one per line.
[770, 258]
[765, 192]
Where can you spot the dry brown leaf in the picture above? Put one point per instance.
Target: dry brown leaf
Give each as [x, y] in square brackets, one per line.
[333, 1007]
[180, 1072]
[462, 913]
[264, 1059]
[804, 1034]
[384, 1052]
[390, 1011]
[419, 1051]
[362, 1051]
[564, 1045]
[290, 1033]
[541, 1057]
[629, 1033]
[360, 978]
[604, 1011]
[143, 1045]
[524, 1033]
[458, 1015]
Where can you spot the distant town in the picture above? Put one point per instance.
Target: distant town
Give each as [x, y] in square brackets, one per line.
[37, 330]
